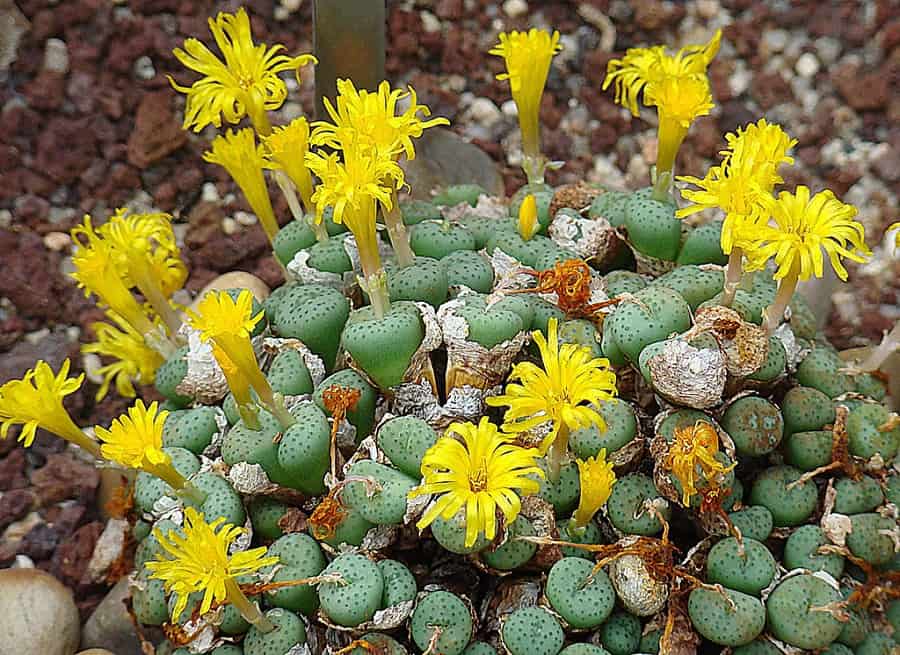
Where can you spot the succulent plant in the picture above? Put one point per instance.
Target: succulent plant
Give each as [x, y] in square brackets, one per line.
[357, 596]
[727, 617]
[532, 630]
[621, 633]
[748, 567]
[582, 598]
[793, 617]
[445, 615]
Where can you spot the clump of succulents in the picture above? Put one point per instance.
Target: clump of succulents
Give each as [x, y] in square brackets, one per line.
[460, 430]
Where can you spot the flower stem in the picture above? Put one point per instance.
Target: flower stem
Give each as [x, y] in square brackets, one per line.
[396, 229]
[74, 434]
[732, 276]
[774, 313]
[248, 609]
[181, 485]
[150, 287]
[557, 453]
[249, 415]
[297, 210]
[376, 286]
[662, 187]
[889, 344]
[534, 167]
[274, 403]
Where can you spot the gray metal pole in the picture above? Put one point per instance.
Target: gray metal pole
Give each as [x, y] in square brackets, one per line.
[349, 43]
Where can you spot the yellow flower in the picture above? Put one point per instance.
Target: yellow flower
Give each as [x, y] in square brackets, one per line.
[135, 361]
[745, 178]
[286, 149]
[372, 119]
[134, 440]
[144, 246]
[803, 228]
[228, 323]
[692, 453]
[678, 101]
[528, 218]
[239, 154]
[527, 56]
[640, 68]
[480, 471]
[198, 561]
[597, 479]
[246, 83]
[97, 271]
[354, 188]
[562, 390]
[36, 401]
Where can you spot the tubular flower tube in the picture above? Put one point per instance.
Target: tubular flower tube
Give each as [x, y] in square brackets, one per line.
[371, 119]
[562, 391]
[479, 469]
[804, 226]
[597, 478]
[36, 401]
[354, 188]
[147, 255]
[239, 386]
[285, 151]
[239, 154]
[134, 440]
[679, 101]
[739, 186]
[527, 56]
[678, 87]
[228, 323]
[694, 453]
[246, 83]
[198, 561]
[97, 272]
[135, 361]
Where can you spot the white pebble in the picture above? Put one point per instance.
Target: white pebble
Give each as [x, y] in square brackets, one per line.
[291, 5]
[509, 109]
[807, 65]
[56, 56]
[708, 8]
[739, 81]
[210, 193]
[430, 22]
[245, 218]
[57, 241]
[515, 8]
[5, 218]
[230, 226]
[144, 69]
[775, 40]
[484, 112]
[828, 48]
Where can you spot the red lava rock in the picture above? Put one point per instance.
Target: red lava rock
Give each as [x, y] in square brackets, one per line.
[650, 14]
[63, 477]
[31, 208]
[71, 558]
[268, 270]
[603, 137]
[65, 517]
[39, 542]
[16, 504]
[65, 165]
[771, 89]
[156, 132]
[862, 91]
[31, 278]
[47, 90]
[449, 9]
[204, 222]
[12, 467]
[887, 166]
[223, 252]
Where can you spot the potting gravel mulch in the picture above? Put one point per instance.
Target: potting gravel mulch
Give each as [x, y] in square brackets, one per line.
[90, 123]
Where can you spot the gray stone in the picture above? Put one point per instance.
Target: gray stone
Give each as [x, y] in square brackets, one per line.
[443, 158]
[39, 614]
[111, 628]
[13, 25]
